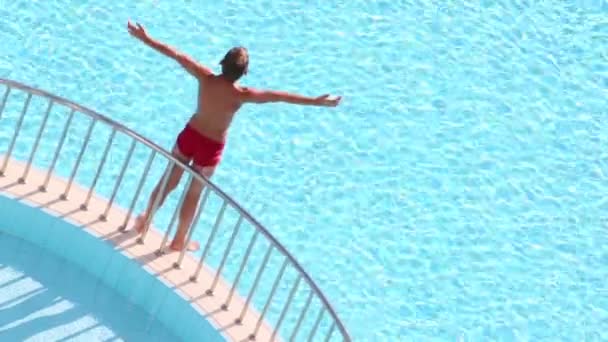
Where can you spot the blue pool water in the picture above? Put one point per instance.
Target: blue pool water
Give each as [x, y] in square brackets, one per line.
[100, 293]
[44, 298]
[458, 192]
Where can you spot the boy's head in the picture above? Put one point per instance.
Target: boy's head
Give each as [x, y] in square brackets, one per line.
[235, 63]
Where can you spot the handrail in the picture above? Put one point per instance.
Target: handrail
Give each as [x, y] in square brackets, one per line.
[259, 228]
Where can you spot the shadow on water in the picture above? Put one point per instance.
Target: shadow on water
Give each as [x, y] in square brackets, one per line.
[45, 298]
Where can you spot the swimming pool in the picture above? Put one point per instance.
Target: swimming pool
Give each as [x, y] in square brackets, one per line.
[457, 191]
[45, 298]
[60, 280]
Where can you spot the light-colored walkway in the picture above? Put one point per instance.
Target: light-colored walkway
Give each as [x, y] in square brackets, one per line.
[210, 306]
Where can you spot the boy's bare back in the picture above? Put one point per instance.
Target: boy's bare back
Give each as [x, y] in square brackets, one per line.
[218, 101]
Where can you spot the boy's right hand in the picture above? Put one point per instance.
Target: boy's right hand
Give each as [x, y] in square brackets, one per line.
[324, 100]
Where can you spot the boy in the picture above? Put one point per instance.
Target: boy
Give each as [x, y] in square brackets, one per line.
[203, 138]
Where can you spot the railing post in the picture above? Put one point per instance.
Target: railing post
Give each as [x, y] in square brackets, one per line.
[218, 221]
[15, 135]
[270, 297]
[157, 200]
[240, 272]
[4, 98]
[99, 169]
[239, 320]
[35, 147]
[302, 315]
[125, 164]
[87, 138]
[331, 331]
[316, 326]
[201, 207]
[235, 231]
[292, 293]
[175, 214]
[136, 195]
[66, 127]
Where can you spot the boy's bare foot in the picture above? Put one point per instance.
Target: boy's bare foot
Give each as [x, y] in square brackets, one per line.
[140, 221]
[192, 246]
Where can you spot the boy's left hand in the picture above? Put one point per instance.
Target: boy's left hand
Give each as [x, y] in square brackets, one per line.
[137, 31]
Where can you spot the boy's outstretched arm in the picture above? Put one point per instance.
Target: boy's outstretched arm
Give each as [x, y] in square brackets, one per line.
[187, 62]
[265, 96]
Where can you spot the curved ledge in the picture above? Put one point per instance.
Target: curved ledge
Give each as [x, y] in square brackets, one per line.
[47, 210]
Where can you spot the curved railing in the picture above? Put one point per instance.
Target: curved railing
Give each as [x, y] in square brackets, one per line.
[302, 282]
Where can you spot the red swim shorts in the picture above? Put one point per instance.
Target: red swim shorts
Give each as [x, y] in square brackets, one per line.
[202, 150]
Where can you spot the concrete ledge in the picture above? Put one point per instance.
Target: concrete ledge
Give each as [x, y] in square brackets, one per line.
[161, 267]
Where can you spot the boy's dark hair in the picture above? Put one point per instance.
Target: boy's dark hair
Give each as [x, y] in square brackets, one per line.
[235, 63]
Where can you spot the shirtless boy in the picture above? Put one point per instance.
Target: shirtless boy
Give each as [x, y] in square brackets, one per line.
[203, 138]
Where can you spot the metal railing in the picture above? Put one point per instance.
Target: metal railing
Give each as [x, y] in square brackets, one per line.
[300, 287]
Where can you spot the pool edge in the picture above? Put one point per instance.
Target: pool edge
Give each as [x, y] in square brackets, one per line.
[160, 267]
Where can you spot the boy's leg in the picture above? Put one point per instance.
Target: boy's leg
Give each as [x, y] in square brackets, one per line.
[175, 174]
[187, 211]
